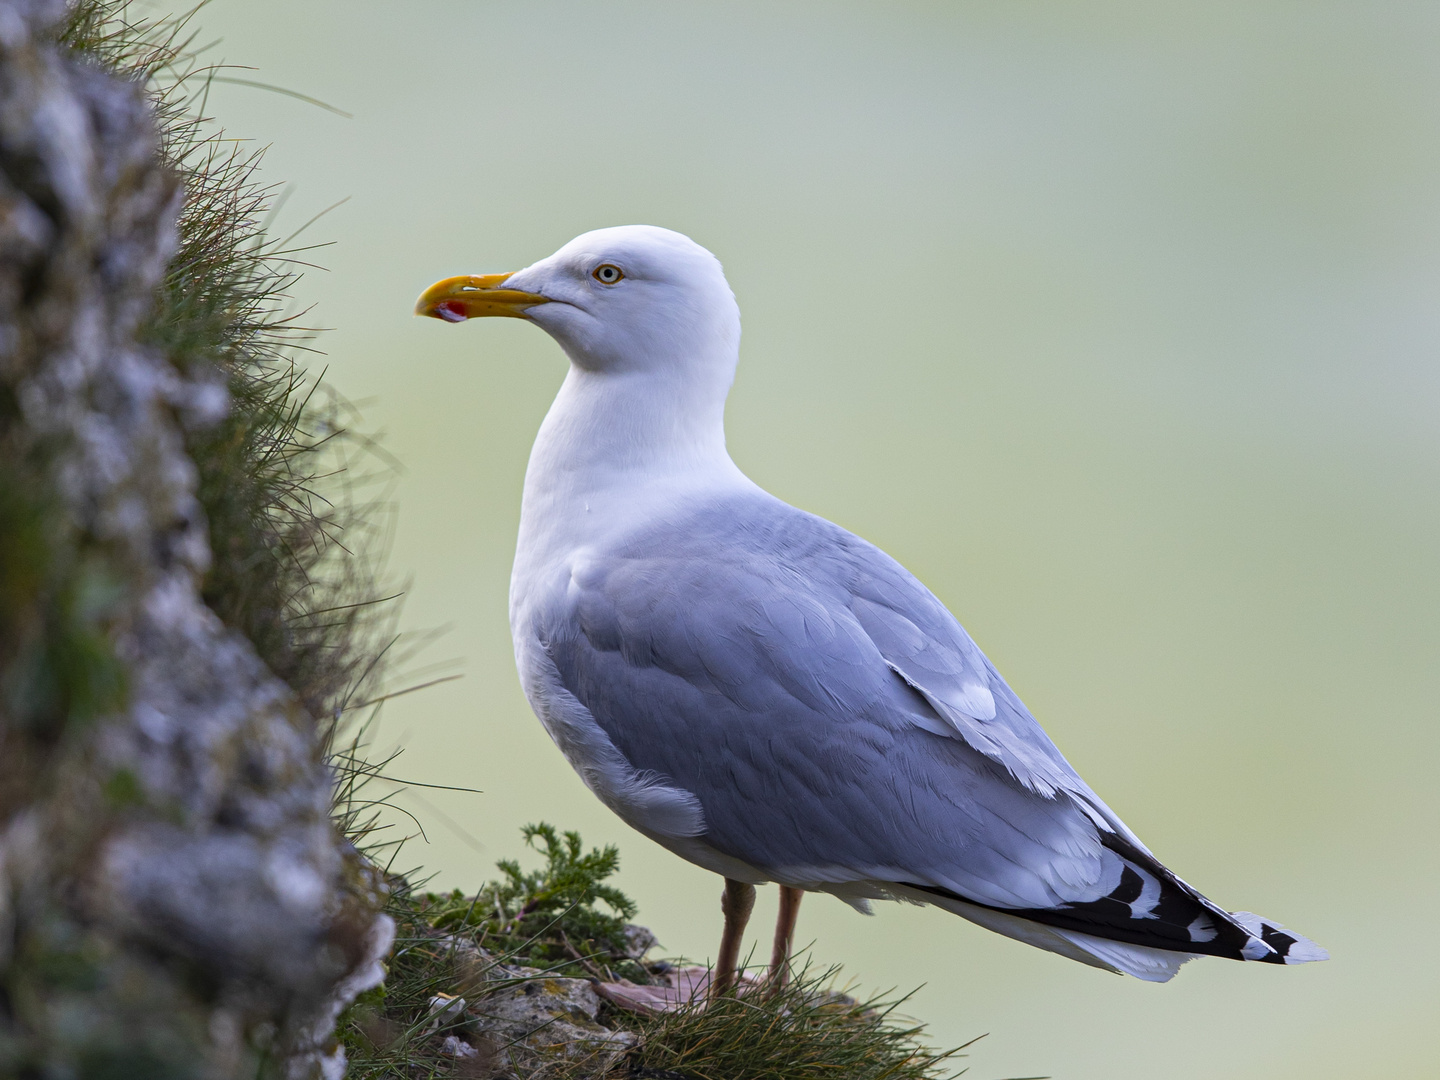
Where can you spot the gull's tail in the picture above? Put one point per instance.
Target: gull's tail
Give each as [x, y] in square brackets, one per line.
[1150, 924]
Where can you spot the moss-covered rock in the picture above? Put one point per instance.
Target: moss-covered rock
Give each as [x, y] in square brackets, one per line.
[175, 899]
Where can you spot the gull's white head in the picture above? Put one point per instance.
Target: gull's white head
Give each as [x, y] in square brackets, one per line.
[635, 298]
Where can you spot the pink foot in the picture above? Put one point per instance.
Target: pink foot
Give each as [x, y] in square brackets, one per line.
[678, 988]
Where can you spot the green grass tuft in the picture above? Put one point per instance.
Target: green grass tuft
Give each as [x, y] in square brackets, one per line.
[808, 1031]
[295, 499]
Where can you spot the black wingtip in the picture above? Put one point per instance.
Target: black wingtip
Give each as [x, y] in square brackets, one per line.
[1153, 908]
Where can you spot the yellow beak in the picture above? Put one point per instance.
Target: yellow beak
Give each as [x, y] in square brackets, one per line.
[475, 297]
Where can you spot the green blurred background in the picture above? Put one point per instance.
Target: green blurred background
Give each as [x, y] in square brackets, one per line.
[1116, 323]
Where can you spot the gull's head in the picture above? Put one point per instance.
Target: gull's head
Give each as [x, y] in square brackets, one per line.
[630, 298]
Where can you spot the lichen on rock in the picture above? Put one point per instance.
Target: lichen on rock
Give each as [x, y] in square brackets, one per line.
[520, 1020]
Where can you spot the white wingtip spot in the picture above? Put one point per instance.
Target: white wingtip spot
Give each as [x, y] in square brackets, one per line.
[1255, 949]
[1305, 951]
[1301, 950]
[1202, 929]
[1144, 905]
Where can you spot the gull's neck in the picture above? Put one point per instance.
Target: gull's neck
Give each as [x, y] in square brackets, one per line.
[616, 445]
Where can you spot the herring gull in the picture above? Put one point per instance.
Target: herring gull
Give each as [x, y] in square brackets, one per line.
[766, 694]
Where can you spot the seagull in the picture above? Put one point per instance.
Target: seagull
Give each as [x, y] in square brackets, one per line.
[766, 694]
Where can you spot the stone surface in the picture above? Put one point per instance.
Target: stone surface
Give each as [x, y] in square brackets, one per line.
[518, 1020]
[639, 940]
[174, 900]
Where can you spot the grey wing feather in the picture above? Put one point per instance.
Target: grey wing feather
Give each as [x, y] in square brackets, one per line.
[725, 652]
[923, 643]
[837, 725]
[956, 679]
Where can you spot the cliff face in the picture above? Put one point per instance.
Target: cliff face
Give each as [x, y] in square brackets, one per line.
[174, 898]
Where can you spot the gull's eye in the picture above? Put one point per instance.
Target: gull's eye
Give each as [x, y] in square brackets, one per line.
[607, 274]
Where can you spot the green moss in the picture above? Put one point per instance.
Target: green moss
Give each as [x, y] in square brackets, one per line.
[57, 667]
[90, 1009]
[25, 557]
[123, 790]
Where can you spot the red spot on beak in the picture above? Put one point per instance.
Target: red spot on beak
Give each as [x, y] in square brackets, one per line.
[451, 311]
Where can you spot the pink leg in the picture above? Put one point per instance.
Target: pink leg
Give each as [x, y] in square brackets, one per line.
[735, 903]
[784, 937]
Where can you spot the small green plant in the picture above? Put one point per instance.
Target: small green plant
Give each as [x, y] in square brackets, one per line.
[549, 918]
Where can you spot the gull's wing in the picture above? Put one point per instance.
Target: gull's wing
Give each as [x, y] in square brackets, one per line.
[720, 652]
[837, 724]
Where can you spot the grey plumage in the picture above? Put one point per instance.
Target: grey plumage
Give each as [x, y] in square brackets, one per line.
[839, 725]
